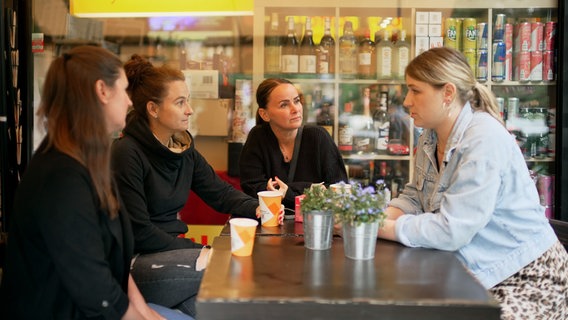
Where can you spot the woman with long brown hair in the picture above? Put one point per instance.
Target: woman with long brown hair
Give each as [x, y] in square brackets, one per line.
[70, 242]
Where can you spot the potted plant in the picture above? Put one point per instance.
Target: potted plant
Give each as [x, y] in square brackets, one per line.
[317, 209]
[361, 212]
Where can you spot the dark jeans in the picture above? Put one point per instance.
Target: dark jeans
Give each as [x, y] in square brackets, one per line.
[169, 278]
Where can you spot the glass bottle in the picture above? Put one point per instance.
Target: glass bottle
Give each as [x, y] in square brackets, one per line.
[384, 56]
[290, 59]
[366, 58]
[381, 124]
[364, 139]
[326, 50]
[348, 52]
[325, 119]
[345, 131]
[273, 47]
[401, 56]
[308, 50]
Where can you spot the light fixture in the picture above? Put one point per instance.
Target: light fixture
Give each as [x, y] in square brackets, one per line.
[153, 8]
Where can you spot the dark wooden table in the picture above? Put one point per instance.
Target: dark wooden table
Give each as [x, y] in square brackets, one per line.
[290, 228]
[284, 280]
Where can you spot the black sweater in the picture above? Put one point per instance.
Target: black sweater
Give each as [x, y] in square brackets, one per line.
[318, 161]
[154, 183]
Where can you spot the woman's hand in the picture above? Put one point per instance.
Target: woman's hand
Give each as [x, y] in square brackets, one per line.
[203, 259]
[277, 185]
[137, 306]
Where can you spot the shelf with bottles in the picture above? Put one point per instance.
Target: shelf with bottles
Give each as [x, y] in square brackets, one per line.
[318, 101]
[387, 174]
[372, 123]
[529, 113]
[331, 47]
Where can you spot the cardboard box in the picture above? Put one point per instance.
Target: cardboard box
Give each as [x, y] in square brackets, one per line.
[202, 84]
[422, 17]
[435, 17]
[435, 30]
[422, 44]
[211, 117]
[436, 42]
[421, 30]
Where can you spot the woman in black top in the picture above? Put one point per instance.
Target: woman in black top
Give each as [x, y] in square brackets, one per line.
[269, 151]
[156, 166]
[70, 241]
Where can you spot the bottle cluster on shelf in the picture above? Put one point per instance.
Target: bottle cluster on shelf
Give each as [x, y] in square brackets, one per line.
[358, 55]
[533, 126]
[370, 124]
[387, 175]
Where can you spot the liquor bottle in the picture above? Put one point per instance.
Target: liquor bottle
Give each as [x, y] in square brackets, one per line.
[325, 119]
[345, 131]
[381, 124]
[366, 57]
[273, 47]
[401, 56]
[326, 50]
[384, 56]
[290, 59]
[397, 180]
[364, 139]
[308, 50]
[381, 183]
[348, 52]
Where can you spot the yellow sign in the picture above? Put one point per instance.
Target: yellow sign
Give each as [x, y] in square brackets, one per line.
[147, 8]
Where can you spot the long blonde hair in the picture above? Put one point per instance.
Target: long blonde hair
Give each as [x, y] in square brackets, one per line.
[439, 66]
[73, 115]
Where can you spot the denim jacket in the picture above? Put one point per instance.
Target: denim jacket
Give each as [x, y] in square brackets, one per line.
[482, 203]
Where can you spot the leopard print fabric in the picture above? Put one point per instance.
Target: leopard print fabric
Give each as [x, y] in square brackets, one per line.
[538, 291]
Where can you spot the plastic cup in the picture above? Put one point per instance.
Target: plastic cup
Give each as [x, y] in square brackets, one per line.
[339, 187]
[242, 236]
[270, 207]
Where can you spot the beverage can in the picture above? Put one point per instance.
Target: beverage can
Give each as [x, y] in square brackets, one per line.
[551, 144]
[545, 186]
[498, 68]
[522, 37]
[508, 51]
[499, 27]
[548, 65]
[470, 56]
[298, 217]
[537, 36]
[452, 34]
[469, 35]
[536, 66]
[522, 66]
[481, 36]
[512, 108]
[481, 65]
[501, 106]
[549, 35]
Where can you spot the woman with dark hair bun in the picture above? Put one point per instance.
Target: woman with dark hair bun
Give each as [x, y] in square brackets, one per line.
[156, 166]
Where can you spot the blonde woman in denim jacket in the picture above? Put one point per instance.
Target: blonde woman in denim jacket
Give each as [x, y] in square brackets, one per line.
[472, 193]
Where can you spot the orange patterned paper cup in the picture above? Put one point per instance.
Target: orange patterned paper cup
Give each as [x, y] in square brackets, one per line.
[242, 236]
[270, 207]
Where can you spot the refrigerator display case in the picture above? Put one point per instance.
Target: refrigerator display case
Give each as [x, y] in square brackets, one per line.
[512, 47]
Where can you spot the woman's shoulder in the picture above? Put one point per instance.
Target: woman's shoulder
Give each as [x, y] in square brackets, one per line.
[316, 132]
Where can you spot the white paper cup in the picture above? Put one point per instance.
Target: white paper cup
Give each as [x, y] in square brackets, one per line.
[270, 207]
[242, 236]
